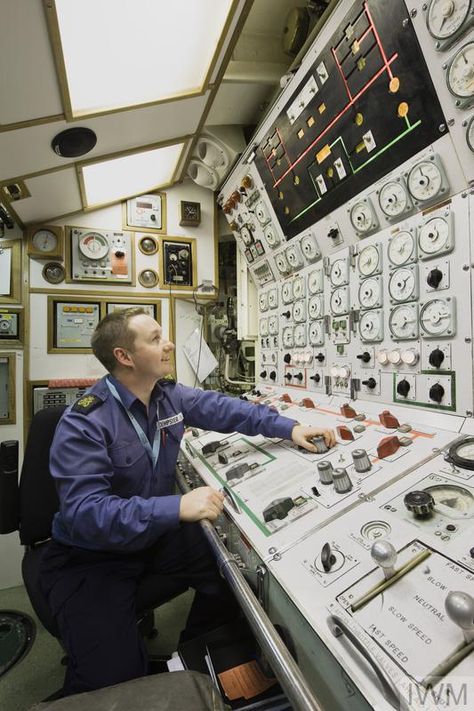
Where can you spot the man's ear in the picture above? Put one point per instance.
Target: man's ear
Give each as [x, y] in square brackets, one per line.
[123, 357]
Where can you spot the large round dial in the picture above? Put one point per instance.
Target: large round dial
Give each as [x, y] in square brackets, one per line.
[273, 325]
[316, 333]
[299, 310]
[309, 247]
[424, 180]
[315, 281]
[445, 17]
[315, 307]
[263, 301]
[362, 218]
[369, 261]
[393, 199]
[434, 236]
[339, 301]
[369, 293]
[93, 245]
[287, 337]
[272, 236]
[273, 298]
[246, 236]
[401, 248]
[287, 292]
[371, 326]
[261, 213]
[45, 241]
[402, 285]
[436, 317]
[281, 263]
[299, 335]
[462, 453]
[451, 500]
[460, 72]
[403, 322]
[338, 274]
[298, 287]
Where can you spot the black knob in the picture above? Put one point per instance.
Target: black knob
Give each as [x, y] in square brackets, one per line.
[299, 376]
[333, 233]
[153, 217]
[263, 374]
[288, 376]
[327, 558]
[287, 357]
[421, 503]
[286, 314]
[315, 377]
[320, 357]
[434, 277]
[436, 358]
[119, 253]
[403, 387]
[436, 392]
[364, 357]
[273, 375]
[370, 382]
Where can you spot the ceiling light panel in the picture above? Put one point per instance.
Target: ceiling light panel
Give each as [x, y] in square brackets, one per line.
[118, 178]
[133, 52]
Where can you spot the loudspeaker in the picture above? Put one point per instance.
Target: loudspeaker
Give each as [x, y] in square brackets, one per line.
[214, 154]
[74, 142]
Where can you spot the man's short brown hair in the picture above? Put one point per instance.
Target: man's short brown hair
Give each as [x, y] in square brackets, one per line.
[113, 331]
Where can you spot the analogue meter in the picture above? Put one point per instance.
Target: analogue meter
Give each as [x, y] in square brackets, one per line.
[264, 327]
[394, 200]
[462, 453]
[287, 337]
[273, 298]
[281, 263]
[299, 310]
[403, 285]
[263, 301]
[339, 301]
[425, 181]
[434, 238]
[261, 213]
[437, 318]
[272, 236]
[298, 287]
[246, 236]
[309, 247]
[94, 246]
[293, 257]
[363, 218]
[460, 75]
[445, 17]
[315, 281]
[287, 292]
[315, 307]
[45, 242]
[371, 326]
[403, 322]
[316, 333]
[401, 248]
[451, 500]
[470, 134]
[339, 274]
[273, 326]
[370, 293]
[369, 261]
[299, 335]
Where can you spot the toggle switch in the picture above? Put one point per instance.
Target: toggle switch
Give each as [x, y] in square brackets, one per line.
[327, 558]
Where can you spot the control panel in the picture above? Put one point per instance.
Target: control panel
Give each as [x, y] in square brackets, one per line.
[100, 255]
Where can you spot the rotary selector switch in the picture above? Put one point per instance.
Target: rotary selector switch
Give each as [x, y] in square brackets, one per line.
[364, 357]
[370, 383]
[287, 358]
[434, 278]
[436, 358]
[316, 377]
[436, 392]
[327, 558]
[385, 555]
[273, 375]
[460, 609]
[420, 503]
[403, 387]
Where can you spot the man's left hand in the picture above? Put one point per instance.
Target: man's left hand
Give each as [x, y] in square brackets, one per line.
[302, 436]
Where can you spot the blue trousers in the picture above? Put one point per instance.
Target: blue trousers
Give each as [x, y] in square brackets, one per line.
[92, 596]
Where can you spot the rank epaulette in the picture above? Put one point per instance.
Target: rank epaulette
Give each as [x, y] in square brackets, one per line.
[86, 404]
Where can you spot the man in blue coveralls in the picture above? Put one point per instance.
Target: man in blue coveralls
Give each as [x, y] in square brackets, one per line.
[113, 460]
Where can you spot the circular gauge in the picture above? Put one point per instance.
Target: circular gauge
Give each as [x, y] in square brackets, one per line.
[436, 317]
[298, 288]
[315, 307]
[424, 181]
[370, 326]
[246, 236]
[402, 285]
[393, 199]
[148, 278]
[148, 245]
[434, 236]
[315, 333]
[44, 241]
[460, 72]
[309, 247]
[470, 134]
[273, 298]
[299, 335]
[94, 246]
[287, 292]
[401, 248]
[338, 274]
[261, 213]
[281, 264]
[369, 293]
[452, 498]
[462, 453]
[403, 322]
[287, 337]
[271, 235]
[369, 260]
[361, 217]
[273, 325]
[264, 327]
[299, 310]
[293, 258]
[445, 17]
[339, 302]
[315, 281]
[54, 273]
[263, 301]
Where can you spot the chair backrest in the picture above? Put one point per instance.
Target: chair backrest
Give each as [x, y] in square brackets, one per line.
[38, 498]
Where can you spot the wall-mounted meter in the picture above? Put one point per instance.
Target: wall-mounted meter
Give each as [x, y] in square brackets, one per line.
[100, 255]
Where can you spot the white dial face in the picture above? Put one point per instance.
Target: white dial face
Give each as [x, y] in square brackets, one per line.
[298, 287]
[315, 307]
[436, 317]
[273, 298]
[369, 261]
[339, 302]
[44, 241]
[261, 213]
[401, 248]
[445, 17]
[246, 235]
[393, 199]
[287, 293]
[470, 134]
[309, 247]
[287, 337]
[460, 74]
[424, 180]
[403, 322]
[281, 264]
[263, 301]
[370, 326]
[434, 236]
[264, 327]
[271, 235]
[369, 293]
[315, 281]
[402, 285]
[316, 333]
[299, 310]
[339, 272]
[293, 257]
[94, 246]
[299, 335]
[273, 325]
[362, 217]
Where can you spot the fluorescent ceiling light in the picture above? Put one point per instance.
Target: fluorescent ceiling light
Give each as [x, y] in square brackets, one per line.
[112, 180]
[120, 53]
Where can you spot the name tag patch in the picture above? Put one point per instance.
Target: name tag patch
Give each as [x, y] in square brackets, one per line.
[169, 421]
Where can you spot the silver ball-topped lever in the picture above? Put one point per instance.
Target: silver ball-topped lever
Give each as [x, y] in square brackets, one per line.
[460, 609]
[385, 556]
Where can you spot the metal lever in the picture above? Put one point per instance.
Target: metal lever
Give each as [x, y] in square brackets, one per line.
[229, 495]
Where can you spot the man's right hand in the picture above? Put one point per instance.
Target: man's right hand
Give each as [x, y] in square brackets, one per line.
[203, 502]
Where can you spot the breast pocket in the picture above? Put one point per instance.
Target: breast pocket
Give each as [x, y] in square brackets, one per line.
[130, 465]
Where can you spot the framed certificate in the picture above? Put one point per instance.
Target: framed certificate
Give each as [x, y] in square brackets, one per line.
[146, 213]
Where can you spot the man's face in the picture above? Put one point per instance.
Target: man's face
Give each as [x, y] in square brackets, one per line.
[151, 352]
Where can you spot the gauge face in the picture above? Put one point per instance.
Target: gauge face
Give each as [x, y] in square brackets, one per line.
[401, 248]
[287, 293]
[456, 498]
[462, 453]
[273, 325]
[339, 302]
[370, 326]
[299, 335]
[433, 237]
[264, 327]
[403, 322]
[315, 281]
[299, 310]
[339, 272]
[273, 298]
[298, 288]
[470, 134]
[369, 261]
[261, 213]
[436, 317]
[44, 241]
[281, 264]
[309, 247]
[362, 217]
[424, 181]
[445, 17]
[393, 199]
[263, 301]
[94, 246]
[148, 245]
[316, 333]
[148, 278]
[54, 273]
[460, 72]
[287, 337]
[293, 257]
[315, 307]
[246, 236]
[402, 285]
[271, 235]
[369, 293]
